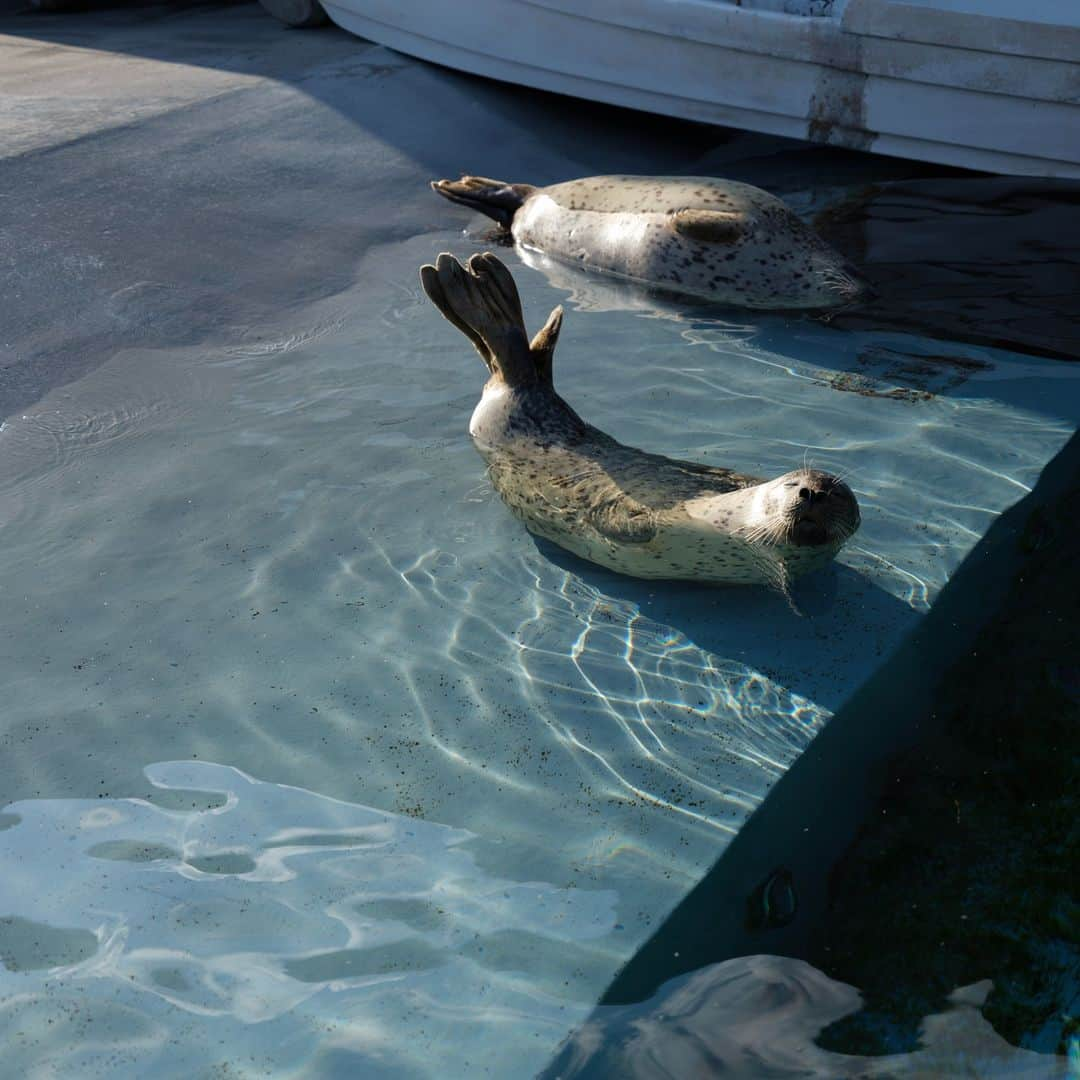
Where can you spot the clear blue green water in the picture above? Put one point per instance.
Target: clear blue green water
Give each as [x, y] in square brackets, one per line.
[359, 779]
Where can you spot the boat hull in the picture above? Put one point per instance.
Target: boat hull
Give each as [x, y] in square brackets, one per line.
[986, 93]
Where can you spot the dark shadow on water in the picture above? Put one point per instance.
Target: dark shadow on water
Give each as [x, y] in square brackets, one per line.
[987, 260]
[756, 627]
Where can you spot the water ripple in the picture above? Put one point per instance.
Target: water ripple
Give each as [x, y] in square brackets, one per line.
[279, 908]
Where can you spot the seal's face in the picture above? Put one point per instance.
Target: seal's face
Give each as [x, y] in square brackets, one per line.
[776, 261]
[806, 509]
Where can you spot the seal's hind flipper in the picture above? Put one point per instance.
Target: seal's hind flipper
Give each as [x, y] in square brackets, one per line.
[495, 198]
[543, 345]
[709, 226]
[482, 301]
[432, 285]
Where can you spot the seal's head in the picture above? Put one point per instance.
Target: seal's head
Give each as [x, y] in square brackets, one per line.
[804, 509]
[749, 248]
[782, 263]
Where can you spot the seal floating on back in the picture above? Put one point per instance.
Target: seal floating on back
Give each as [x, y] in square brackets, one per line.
[714, 239]
[636, 513]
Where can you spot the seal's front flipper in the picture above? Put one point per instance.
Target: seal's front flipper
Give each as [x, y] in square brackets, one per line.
[608, 510]
[482, 301]
[623, 521]
[710, 226]
[495, 198]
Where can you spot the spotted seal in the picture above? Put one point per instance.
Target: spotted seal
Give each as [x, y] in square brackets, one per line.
[634, 512]
[714, 239]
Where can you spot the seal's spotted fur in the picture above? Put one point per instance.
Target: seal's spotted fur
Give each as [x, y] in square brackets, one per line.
[717, 239]
[637, 513]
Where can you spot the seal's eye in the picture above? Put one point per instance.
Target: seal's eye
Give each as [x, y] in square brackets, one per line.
[804, 493]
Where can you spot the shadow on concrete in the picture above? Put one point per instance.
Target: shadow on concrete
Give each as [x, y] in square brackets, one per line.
[245, 170]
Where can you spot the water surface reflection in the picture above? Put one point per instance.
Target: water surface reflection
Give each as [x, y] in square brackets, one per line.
[759, 1016]
[339, 935]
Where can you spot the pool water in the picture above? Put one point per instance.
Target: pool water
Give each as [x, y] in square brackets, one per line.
[357, 770]
[316, 763]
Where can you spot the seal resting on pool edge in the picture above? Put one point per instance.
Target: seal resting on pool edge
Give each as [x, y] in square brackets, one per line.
[637, 513]
[714, 239]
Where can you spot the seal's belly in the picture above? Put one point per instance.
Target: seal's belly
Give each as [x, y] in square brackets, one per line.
[675, 555]
[617, 242]
[722, 560]
[639, 246]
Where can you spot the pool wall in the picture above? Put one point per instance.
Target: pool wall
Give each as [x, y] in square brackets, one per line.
[812, 815]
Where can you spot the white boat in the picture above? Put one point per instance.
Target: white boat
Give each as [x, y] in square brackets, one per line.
[984, 84]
